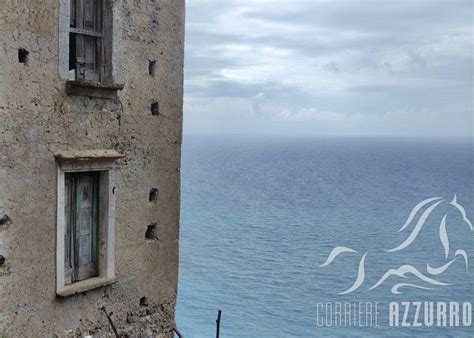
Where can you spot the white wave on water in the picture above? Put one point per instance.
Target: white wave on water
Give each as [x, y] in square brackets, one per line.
[395, 288]
[336, 252]
[443, 235]
[464, 255]
[360, 276]
[440, 270]
[416, 209]
[458, 206]
[443, 268]
[402, 271]
[417, 229]
[405, 270]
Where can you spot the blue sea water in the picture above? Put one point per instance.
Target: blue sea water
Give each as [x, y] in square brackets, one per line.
[259, 215]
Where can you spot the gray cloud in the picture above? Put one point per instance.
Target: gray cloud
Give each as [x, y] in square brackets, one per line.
[285, 62]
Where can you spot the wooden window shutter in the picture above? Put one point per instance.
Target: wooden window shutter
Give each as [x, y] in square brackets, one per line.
[86, 225]
[88, 38]
[89, 19]
[72, 17]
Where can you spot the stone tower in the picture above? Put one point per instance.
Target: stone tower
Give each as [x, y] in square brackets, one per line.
[90, 141]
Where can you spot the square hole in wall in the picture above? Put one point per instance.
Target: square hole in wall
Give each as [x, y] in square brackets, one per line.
[155, 109]
[153, 196]
[23, 55]
[143, 301]
[151, 67]
[150, 233]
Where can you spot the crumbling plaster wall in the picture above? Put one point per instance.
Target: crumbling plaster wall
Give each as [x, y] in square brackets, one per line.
[38, 119]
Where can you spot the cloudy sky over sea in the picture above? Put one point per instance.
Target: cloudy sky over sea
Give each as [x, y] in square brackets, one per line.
[397, 68]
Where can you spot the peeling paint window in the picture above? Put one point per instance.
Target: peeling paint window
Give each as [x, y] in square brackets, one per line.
[85, 39]
[85, 231]
[81, 232]
[90, 46]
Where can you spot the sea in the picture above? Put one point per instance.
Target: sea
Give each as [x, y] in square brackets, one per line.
[261, 214]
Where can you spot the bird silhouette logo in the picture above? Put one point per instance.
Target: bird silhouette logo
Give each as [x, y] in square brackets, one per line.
[416, 220]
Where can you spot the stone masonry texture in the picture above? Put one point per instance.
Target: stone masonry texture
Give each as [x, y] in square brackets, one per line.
[39, 119]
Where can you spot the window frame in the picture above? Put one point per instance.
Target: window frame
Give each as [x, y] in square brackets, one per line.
[111, 77]
[103, 162]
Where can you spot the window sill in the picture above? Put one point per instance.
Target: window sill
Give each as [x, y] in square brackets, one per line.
[85, 285]
[93, 89]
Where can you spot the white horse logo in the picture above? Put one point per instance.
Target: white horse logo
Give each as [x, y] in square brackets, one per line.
[402, 271]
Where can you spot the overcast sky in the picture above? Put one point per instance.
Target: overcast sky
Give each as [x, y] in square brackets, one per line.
[337, 67]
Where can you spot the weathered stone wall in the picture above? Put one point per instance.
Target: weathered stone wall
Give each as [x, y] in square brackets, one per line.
[38, 119]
